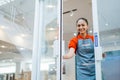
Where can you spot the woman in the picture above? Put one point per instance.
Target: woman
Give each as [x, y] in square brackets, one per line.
[82, 46]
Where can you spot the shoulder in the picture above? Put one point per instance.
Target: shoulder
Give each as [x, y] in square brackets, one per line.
[91, 37]
[73, 42]
[74, 39]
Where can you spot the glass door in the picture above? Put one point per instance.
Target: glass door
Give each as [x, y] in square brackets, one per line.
[16, 39]
[47, 40]
[107, 39]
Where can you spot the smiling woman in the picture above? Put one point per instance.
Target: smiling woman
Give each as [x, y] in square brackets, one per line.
[82, 46]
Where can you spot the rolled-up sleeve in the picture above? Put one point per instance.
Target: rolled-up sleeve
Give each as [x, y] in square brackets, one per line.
[73, 43]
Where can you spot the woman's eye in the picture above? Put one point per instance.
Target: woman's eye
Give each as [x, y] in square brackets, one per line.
[78, 25]
[83, 25]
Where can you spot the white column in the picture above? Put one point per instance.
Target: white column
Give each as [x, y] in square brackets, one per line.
[97, 48]
[37, 39]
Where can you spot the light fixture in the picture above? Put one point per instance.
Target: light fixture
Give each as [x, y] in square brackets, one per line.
[23, 35]
[51, 29]
[22, 48]
[50, 6]
[90, 31]
[3, 46]
[75, 34]
[71, 14]
[106, 24]
[3, 2]
[3, 27]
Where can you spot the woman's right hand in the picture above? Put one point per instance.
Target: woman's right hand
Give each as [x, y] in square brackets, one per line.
[70, 54]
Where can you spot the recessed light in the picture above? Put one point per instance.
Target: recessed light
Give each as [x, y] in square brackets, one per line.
[23, 35]
[50, 6]
[3, 27]
[71, 14]
[90, 31]
[22, 48]
[3, 46]
[51, 29]
[75, 34]
[106, 24]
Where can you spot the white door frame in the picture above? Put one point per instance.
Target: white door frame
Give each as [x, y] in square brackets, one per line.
[37, 40]
[97, 48]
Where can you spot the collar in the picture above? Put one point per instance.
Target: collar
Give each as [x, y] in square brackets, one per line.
[86, 37]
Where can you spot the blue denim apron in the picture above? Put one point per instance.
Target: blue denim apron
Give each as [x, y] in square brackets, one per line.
[85, 62]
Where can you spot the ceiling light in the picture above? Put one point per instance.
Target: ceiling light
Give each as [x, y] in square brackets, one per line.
[50, 6]
[23, 35]
[3, 46]
[71, 14]
[106, 24]
[3, 27]
[90, 31]
[3, 2]
[22, 48]
[75, 34]
[51, 28]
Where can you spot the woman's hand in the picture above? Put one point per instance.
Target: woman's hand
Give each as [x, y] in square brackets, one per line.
[70, 54]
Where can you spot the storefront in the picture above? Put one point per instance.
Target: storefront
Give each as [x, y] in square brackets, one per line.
[34, 34]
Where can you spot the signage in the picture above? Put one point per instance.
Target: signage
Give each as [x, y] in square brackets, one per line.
[96, 39]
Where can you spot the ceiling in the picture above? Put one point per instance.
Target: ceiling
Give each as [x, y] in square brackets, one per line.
[16, 30]
[17, 35]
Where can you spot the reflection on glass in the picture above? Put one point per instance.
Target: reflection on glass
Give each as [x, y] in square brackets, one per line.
[16, 28]
[109, 38]
[50, 32]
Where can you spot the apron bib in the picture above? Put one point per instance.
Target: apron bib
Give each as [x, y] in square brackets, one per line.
[85, 61]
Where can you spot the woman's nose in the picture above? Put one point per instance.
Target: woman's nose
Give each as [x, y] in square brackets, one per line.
[80, 27]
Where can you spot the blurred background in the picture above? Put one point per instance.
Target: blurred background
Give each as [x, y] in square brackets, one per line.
[16, 36]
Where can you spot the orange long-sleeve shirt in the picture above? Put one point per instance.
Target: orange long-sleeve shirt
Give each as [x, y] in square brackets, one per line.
[73, 42]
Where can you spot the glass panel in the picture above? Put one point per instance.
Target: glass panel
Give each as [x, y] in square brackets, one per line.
[16, 36]
[109, 27]
[50, 46]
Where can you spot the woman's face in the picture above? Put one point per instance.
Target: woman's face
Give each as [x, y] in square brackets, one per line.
[82, 26]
